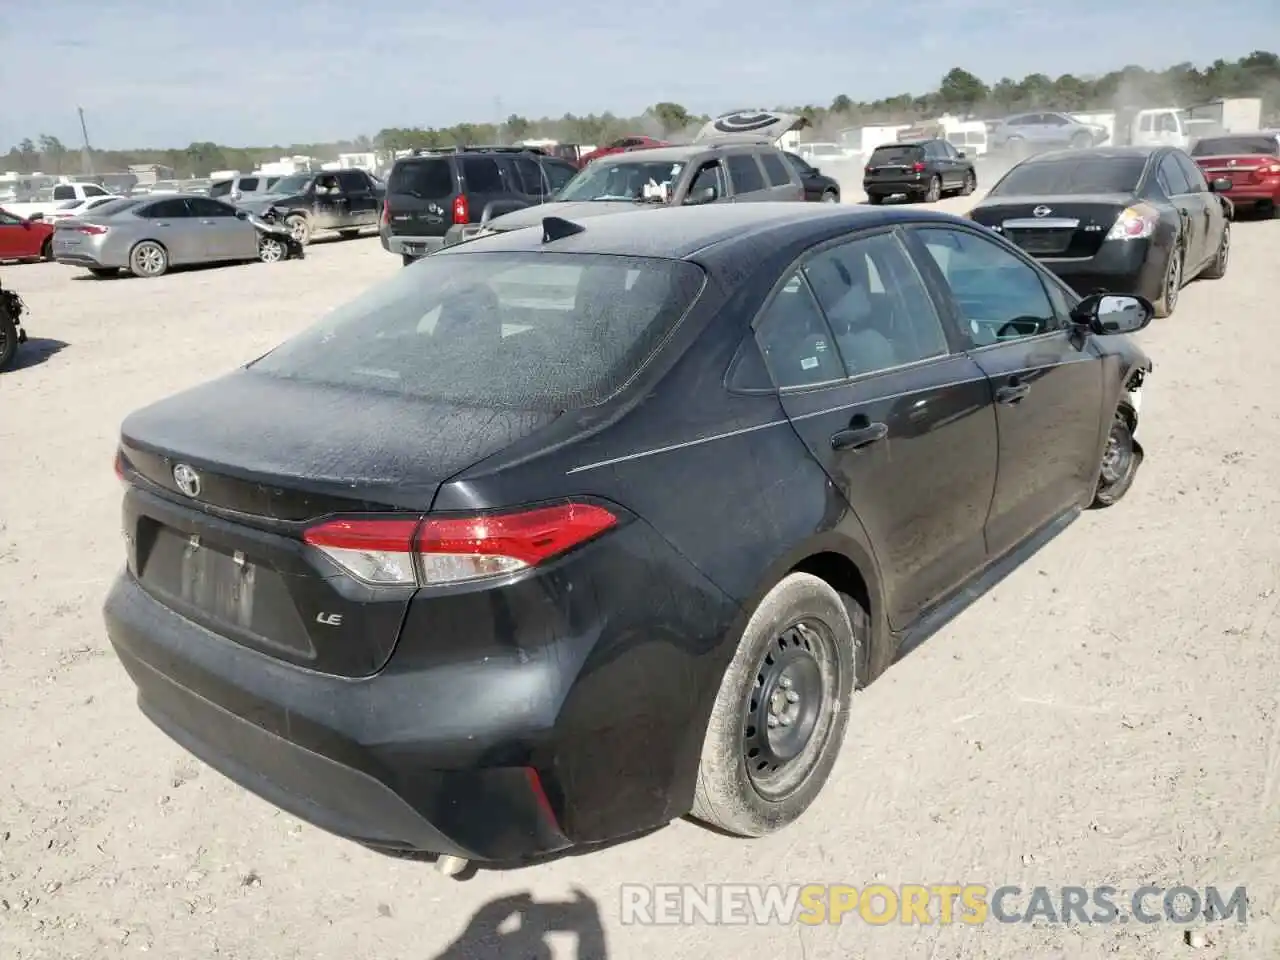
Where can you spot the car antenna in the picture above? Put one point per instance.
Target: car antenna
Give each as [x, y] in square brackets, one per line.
[556, 228]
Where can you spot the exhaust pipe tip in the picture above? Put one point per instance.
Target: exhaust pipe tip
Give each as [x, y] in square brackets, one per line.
[450, 866]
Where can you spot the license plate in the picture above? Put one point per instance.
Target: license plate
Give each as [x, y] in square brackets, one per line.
[1040, 244]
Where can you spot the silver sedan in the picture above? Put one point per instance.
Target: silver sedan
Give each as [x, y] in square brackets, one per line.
[148, 235]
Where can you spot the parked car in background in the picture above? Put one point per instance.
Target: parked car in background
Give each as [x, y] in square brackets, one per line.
[1131, 219]
[22, 238]
[343, 200]
[816, 152]
[195, 187]
[558, 536]
[434, 190]
[919, 170]
[620, 145]
[164, 186]
[243, 187]
[147, 236]
[48, 199]
[1250, 161]
[75, 208]
[818, 187]
[734, 158]
[1043, 131]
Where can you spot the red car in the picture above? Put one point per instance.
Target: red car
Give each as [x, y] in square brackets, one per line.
[22, 239]
[626, 143]
[1251, 161]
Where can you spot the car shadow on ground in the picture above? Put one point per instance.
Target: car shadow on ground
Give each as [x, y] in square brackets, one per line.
[518, 926]
[35, 351]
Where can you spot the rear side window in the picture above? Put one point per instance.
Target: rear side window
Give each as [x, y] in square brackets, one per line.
[429, 179]
[775, 169]
[220, 189]
[109, 207]
[745, 173]
[530, 175]
[884, 156]
[64, 193]
[1171, 177]
[481, 175]
[248, 184]
[524, 330]
[558, 174]
[164, 209]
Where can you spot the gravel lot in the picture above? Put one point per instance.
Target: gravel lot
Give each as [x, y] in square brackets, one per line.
[1108, 715]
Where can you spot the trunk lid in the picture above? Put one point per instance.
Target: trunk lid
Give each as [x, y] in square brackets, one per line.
[768, 125]
[225, 478]
[1240, 169]
[1069, 226]
[420, 196]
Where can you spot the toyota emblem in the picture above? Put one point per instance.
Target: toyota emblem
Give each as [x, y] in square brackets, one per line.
[1042, 211]
[187, 479]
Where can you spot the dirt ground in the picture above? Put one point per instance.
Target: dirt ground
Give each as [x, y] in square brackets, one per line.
[1108, 715]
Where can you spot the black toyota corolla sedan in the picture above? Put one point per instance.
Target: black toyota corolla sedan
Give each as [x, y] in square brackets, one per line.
[1120, 219]
[567, 532]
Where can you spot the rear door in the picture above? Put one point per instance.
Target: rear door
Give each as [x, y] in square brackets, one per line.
[557, 174]
[1212, 217]
[746, 178]
[173, 224]
[420, 195]
[950, 166]
[786, 168]
[868, 377]
[362, 201]
[1172, 179]
[1046, 381]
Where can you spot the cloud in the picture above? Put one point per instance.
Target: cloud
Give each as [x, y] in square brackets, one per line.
[241, 72]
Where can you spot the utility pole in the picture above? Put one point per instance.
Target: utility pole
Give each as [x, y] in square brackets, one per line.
[497, 112]
[88, 150]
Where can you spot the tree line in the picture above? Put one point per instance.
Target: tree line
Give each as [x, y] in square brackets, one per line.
[960, 92]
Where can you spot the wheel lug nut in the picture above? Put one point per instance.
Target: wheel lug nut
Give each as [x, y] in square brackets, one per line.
[785, 721]
[772, 721]
[785, 683]
[793, 697]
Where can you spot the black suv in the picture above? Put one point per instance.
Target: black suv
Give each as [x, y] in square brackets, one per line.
[431, 190]
[919, 169]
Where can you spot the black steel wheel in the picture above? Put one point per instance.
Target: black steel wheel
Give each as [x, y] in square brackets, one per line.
[779, 718]
[1171, 285]
[934, 193]
[1120, 461]
[8, 339]
[1218, 268]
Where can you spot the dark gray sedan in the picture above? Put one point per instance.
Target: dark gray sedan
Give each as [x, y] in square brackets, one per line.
[148, 235]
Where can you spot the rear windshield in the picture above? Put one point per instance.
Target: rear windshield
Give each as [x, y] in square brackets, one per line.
[1065, 177]
[427, 179]
[895, 154]
[526, 330]
[112, 207]
[619, 181]
[1221, 146]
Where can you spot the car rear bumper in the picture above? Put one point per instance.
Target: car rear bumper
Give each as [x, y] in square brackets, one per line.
[502, 728]
[412, 246]
[1119, 266]
[888, 188]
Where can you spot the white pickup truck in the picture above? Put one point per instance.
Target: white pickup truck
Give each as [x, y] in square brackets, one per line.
[50, 198]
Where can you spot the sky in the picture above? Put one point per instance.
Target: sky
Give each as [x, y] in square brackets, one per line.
[244, 73]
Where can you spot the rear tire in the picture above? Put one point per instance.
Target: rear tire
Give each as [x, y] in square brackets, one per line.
[1217, 269]
[8, 340]
[970, 183]
[934, 193]
[875, 199]
[1171, 285]
[406, 259]
[104, 273]
[46, 249]
[779, 718]
[830, 196]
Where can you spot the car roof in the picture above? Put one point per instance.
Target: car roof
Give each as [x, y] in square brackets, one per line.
[677, 233]
[906, 143]
[1100, 153]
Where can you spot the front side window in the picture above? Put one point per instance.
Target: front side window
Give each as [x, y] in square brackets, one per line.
[775, 169]
[745, 173]
[710, 176]
[876, 303]
[532, 331]
[998, 295]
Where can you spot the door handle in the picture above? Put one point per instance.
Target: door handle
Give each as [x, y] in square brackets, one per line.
[855, 438]
[1012, 393]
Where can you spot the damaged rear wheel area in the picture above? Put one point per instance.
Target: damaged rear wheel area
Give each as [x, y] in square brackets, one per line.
[1121, 457]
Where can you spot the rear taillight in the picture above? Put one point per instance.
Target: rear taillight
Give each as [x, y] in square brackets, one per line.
[917, 167]
[461, 209]
[1134, 223]
[91, 229]
[119, 466]
[1270, 170]
[434, 551]
[868, 169]
[386, 212]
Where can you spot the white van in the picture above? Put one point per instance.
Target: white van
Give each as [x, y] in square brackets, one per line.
[967, 136]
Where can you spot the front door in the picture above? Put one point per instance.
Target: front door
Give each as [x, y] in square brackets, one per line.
[1211, 215]
[329, 206]
[901, 423]
[15, 237]
[362, 203]
[221, 234]
[1046, 379]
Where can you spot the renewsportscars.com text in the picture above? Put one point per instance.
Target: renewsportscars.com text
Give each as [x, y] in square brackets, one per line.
[924, 904]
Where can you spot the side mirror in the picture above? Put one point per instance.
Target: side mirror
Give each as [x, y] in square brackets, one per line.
[705, 195]
[242, 215]
[1112, 313]
[38, 215]
[960, 154]
[1220, 185]
[817, 171]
